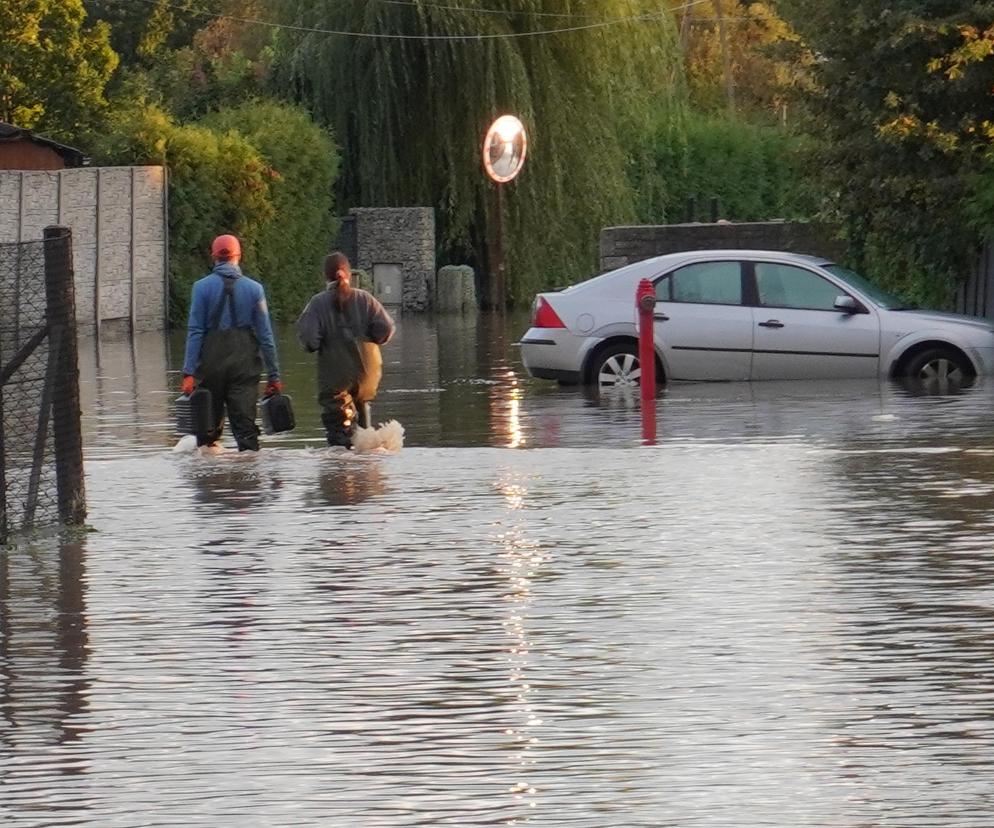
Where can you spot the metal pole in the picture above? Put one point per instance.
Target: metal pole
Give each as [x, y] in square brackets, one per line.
[495, 287]
[66, 413]
[645, 301]
[501, 283]
[41, 433]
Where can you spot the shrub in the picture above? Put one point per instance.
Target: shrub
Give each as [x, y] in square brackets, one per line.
[218, 183]
[262, 171]
[302, 163]
[755, 172]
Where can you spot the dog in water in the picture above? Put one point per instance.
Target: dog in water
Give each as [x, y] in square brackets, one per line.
[188, 445]
[388, 436]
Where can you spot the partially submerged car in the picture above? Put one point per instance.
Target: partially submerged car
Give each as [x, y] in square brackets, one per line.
[748, 315]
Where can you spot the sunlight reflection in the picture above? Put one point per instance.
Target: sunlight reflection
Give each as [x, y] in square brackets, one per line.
[515, 436]
[521, 560]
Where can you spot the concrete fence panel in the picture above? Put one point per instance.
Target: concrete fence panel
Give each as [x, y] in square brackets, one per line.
[118, 218]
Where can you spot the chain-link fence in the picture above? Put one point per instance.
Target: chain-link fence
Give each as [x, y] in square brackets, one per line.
[41, 462]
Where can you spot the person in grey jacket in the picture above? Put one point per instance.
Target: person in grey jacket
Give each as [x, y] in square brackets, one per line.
[345, 327]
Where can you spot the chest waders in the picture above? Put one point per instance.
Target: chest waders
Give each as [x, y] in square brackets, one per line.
[229, 368]
[340, 371]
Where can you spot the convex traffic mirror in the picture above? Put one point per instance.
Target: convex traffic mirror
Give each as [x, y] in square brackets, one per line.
[504, 148]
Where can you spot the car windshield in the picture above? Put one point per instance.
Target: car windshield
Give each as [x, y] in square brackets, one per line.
[886, 300]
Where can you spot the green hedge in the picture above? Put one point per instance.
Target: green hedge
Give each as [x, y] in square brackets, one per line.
[262, 171]
[303, 160]
[756, 172]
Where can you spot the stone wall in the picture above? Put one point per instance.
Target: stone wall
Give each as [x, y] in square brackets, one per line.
[403, 236]
[118, 220]
[620, 246]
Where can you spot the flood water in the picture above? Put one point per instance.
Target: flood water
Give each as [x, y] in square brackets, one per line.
[781, 614]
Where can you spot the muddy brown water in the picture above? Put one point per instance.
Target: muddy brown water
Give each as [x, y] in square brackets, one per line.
[781, 614]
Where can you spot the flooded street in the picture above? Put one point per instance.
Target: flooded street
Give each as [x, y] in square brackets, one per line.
[781, 614]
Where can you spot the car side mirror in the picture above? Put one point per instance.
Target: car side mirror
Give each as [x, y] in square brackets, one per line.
[846, 304]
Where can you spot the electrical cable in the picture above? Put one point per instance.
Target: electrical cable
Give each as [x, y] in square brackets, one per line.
[425, 37]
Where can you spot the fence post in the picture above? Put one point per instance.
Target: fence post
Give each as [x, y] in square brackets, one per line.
[60, 313]
[4, 524]
[690, 214]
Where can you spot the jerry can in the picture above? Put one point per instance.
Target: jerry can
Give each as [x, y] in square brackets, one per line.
[277, 414]
[195, 414]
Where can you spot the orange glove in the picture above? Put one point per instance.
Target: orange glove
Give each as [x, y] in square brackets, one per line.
[186, 386]
[273, 387]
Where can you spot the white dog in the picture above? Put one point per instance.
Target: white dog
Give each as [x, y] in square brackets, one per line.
[388, 436]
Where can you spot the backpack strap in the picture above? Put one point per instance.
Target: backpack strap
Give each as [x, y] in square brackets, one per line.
[229, 297]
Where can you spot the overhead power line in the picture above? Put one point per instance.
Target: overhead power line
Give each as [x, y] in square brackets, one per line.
[498, 12]
[424, 37]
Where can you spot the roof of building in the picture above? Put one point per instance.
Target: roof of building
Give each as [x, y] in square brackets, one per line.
[72, 156]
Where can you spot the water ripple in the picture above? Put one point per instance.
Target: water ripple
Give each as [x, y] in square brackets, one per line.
[782, 614]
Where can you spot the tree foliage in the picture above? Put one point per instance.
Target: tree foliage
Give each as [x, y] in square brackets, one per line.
[411, 114]
[262, 171]
[190, 58]
[757, 172]
[767, 59]
[53, 67]
[902, 97]
[303, 163]
[142, 31]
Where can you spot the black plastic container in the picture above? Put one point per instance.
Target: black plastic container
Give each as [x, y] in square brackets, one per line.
[195, 414]
[277, 414]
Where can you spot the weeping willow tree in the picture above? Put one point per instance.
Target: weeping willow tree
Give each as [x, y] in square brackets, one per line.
[410, 115]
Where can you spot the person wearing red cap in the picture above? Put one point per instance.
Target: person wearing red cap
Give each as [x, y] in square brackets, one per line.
[228, 327]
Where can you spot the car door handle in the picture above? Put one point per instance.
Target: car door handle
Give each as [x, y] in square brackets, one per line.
[662, 317]
[771, 323]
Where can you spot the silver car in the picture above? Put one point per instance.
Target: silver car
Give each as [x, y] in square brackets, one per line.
[748, 315]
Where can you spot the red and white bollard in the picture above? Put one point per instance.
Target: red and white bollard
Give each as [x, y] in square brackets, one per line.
[645, 301]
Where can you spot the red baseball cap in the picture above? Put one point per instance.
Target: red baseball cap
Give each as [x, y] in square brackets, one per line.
[225, 247]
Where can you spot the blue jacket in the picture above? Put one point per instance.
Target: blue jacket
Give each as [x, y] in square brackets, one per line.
[251, 311]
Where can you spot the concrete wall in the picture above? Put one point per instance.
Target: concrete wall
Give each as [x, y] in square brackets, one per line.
[620, 246]
[118, 220]
[404, 236]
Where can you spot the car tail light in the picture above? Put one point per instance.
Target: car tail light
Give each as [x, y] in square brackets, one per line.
[545, 316]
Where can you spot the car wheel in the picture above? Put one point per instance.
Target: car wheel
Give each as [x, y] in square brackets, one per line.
[939, 366]
[617, 367]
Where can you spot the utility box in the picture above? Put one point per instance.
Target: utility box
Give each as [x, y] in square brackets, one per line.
[388, 283]
[397, 246]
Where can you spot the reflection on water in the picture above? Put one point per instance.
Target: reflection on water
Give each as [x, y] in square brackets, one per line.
[782, 614]
[44, 682]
